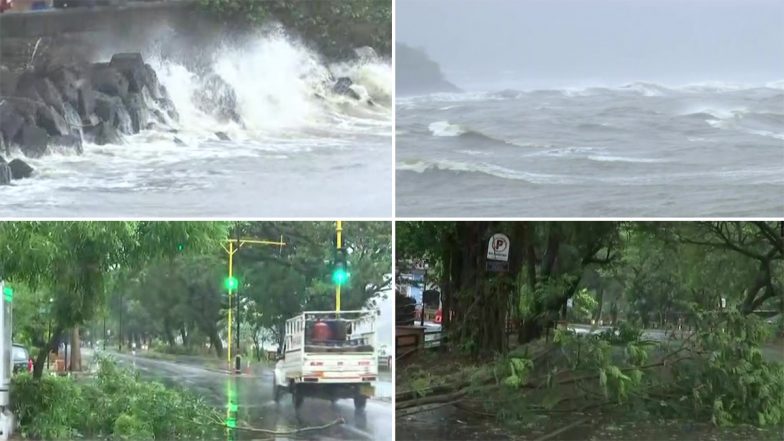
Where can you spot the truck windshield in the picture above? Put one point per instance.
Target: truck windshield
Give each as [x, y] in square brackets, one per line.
[336, 335]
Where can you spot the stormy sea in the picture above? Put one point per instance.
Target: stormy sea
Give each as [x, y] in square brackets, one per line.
[640, 149]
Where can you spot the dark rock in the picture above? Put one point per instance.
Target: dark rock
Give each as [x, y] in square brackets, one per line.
[105, 133]
[49, 94]
[10, 121]
[106, 107]
[168, 106]
[137, 109]
[153, 85]
[67, 80]
[70, 141]
[343, 87]
[52, 122]
[26, 86]
[131, 65]
[110, 109]
[5, 172]
[20, 169]
[159, 116]
[178, 141]
[32, 141]
[109, 80]
[27, 109]
[222, 136]
[85, 102]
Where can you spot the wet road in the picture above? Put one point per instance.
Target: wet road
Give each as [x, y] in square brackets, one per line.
[256, 407]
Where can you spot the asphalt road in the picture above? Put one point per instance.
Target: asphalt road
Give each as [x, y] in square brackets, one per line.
[256, 407]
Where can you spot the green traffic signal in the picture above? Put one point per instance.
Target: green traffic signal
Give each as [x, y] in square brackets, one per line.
[8, 292]
[340, 276]
[231, 283]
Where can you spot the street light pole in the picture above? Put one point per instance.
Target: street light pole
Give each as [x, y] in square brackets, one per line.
[231, 250]
[339, 245]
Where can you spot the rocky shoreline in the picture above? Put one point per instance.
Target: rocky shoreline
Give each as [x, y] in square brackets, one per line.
[67, 105]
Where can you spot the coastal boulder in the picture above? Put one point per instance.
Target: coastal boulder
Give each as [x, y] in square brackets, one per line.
[71, 141]
[67, 80]
[20, 169]
[26, 86]
[106, 133]
[137, 109]
[153, 85]
[109, 80]
[49, 94]
[10, 121]
[32, 141]
[51, 121]
[138, 74]
[5, 172]
[85, 102]
[110, 109]
[343, 87]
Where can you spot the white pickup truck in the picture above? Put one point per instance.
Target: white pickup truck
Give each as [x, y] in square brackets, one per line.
[329, 355]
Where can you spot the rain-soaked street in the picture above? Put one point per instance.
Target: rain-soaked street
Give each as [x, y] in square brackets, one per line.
[256, 407]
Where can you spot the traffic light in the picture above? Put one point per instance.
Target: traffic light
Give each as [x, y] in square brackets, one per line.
[180, 247]
[340, 274]
[8, 293]
[231, 283]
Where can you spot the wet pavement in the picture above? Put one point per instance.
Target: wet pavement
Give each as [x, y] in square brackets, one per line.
[251, 394]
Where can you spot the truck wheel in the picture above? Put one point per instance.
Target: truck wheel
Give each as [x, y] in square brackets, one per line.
[359, 402]
[297, 397]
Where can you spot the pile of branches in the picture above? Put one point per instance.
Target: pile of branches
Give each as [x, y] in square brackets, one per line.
[716, 373]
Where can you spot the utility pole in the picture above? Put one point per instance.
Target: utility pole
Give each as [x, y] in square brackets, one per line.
[339, 244]
[232, 285]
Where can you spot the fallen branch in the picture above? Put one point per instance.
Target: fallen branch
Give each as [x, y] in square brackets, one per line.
[423, 408]
[430, 400]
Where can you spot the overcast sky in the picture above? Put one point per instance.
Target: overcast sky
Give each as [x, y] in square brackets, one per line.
[538, 43]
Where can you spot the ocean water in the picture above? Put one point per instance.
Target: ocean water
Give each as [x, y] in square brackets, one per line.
[641, 149]
[301, 150]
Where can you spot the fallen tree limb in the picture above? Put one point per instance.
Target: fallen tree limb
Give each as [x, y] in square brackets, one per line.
[431, 399]
[423, 408]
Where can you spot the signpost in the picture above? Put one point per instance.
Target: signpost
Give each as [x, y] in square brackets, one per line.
[6, 417]
[498, 253]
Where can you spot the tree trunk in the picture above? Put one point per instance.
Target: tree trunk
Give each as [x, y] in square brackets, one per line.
[76, 353]
[184, 336]
[43, 353]
[600, 301]
[216, 343]
[167, 332]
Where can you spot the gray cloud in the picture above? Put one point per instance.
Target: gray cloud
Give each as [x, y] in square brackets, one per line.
[530, 43]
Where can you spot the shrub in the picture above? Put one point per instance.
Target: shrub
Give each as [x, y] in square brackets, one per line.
[114, 404]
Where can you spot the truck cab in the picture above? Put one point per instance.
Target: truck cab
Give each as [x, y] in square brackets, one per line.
[328, 355]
